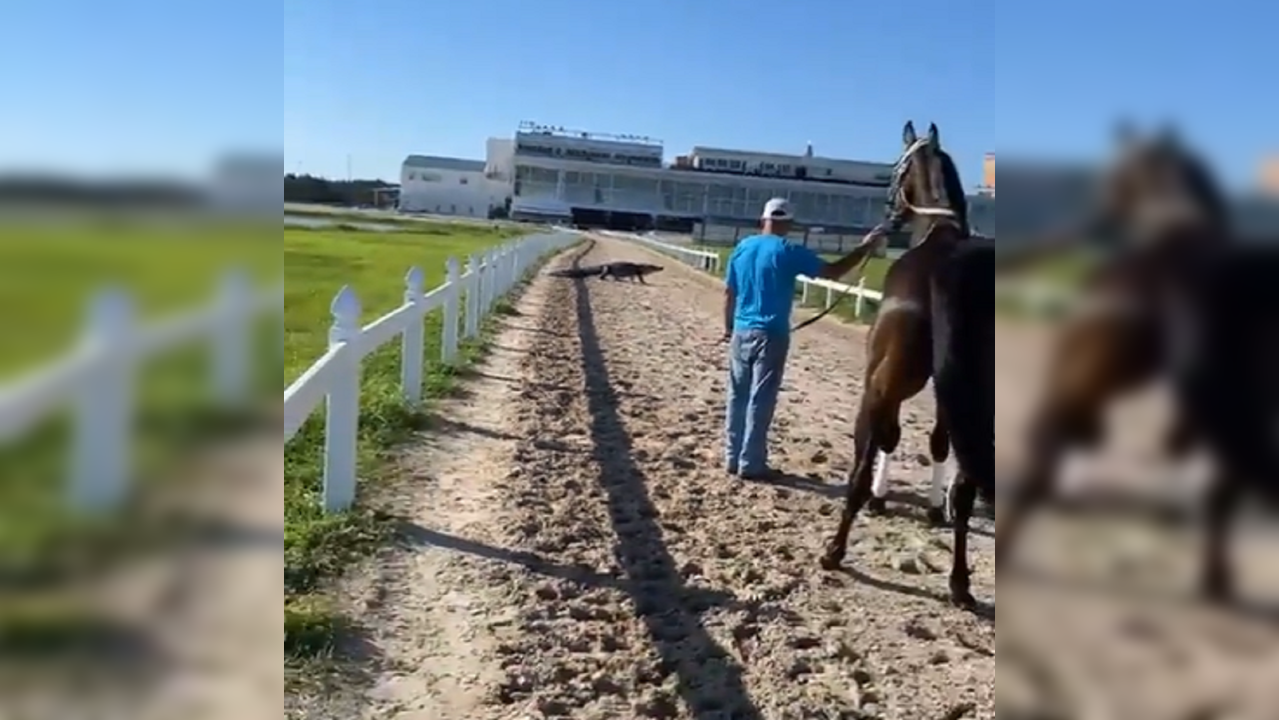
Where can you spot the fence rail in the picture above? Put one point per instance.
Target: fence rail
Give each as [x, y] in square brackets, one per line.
[98, 378]
[334, 379]
[708, 261]
[703, 260]
[835, 290]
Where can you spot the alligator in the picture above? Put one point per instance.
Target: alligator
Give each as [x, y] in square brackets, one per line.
[614, 270]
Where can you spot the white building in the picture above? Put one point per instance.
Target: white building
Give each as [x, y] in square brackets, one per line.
[449, 186]
[622, 181]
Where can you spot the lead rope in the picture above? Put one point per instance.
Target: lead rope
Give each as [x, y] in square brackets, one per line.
[848, 290]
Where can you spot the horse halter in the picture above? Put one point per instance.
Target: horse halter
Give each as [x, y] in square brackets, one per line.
[899, 170]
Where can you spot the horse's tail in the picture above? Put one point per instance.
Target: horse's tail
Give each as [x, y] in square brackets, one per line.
[963, 329]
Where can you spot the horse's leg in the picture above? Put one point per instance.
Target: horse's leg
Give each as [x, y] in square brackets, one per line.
[1050, 439]
[1096, 362]
[888, 435]
[859, 481]
[963, 495]
[1223, 501]
[878, 504]
[902, 345]
[939, 448]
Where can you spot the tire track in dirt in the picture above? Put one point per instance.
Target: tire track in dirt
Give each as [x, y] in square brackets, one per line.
[678, 592]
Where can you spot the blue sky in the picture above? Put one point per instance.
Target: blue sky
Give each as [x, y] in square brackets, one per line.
[1043, 78]
[136, 84]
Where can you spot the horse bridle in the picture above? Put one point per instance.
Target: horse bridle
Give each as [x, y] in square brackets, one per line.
[929, 211]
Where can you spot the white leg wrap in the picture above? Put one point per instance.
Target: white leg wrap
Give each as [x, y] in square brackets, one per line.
[880, 488]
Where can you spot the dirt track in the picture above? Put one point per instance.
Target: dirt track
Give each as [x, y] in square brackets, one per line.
[577, 552]
[1101, 620]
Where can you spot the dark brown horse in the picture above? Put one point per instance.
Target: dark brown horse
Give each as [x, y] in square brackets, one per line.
[1223, 306]
[927, 193]
[1162, 208]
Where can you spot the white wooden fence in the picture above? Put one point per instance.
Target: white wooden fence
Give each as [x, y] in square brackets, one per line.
[703, 260]
[709, 262]
[335, 377]
[98, 380]
[835, 290]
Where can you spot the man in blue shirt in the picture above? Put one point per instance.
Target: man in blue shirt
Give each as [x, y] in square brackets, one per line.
[758, 296]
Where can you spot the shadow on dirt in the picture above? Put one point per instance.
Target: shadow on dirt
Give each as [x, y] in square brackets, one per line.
[658, 591]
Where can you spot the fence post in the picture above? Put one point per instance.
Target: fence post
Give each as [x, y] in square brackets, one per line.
[829, 297]
[499, 273]
[342, 415]
[861, 297]
[494, 275]
[101, 450]
[233, 339]
[473, 296]
[803, 293]
[448, 343]
[413, 344]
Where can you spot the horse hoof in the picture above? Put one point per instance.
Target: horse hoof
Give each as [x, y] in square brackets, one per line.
[937, 517]
[876, 506]
[963, 600]
[832, 561]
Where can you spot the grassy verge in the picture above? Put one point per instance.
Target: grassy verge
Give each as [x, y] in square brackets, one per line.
[319, 546]
[390, 217]
[47, 276]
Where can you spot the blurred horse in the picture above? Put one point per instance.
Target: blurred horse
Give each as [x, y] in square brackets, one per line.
[1143, 314]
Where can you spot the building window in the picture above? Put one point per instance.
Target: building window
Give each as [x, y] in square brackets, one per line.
[412, 176]
[462, 181]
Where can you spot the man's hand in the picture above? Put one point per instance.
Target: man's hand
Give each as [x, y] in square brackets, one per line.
[874, 238]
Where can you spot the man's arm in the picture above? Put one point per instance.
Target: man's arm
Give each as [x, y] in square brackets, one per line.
[730, 310]
[730, 296]
[811, 264]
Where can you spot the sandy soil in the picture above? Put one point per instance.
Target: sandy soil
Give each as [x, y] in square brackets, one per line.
[576, 550]
[193, 629]
[1100, 618]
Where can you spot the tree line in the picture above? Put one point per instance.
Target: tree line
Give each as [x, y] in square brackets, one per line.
[307, 188]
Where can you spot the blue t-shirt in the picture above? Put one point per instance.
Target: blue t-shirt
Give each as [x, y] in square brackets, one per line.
[761, 274]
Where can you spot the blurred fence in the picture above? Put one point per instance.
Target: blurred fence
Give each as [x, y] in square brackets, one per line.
[98, 379]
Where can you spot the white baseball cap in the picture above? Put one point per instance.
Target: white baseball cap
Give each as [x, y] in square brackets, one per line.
[776, 209]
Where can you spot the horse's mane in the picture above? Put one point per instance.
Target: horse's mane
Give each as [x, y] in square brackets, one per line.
[1205, 187]
[954, 188]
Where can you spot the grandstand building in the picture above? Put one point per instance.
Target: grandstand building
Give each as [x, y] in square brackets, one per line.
[595, 179]
[622, 181]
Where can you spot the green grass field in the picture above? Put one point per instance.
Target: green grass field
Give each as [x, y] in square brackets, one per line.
[318, 546]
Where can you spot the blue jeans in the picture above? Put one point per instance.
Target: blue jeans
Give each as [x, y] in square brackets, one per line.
[756, 361]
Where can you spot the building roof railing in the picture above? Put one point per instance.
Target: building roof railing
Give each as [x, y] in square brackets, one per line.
[528, 126]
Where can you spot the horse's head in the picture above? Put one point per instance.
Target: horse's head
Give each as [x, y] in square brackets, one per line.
[926, 185]
[1158, 188]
